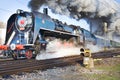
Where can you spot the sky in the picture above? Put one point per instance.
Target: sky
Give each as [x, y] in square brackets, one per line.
[8, 7]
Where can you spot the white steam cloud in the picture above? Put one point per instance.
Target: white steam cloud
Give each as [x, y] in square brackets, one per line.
[58, 48]
[75, 7]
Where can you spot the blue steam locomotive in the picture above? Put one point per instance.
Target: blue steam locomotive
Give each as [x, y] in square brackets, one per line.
[27, 32]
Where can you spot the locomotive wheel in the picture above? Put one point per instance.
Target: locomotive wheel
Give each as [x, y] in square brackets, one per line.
[14, 56]
[28, 54]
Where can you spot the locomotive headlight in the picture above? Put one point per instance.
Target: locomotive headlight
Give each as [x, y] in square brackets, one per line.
[12, 46]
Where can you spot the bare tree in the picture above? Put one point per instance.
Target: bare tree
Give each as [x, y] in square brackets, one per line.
[2, 24]
[2, 27]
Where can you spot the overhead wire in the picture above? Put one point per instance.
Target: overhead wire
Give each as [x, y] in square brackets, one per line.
[5, 10]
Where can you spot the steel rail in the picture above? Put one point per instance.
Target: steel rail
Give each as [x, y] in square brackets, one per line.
[34, 64]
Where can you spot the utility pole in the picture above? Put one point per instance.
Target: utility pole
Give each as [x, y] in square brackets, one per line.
[105, 30]
[108, 34]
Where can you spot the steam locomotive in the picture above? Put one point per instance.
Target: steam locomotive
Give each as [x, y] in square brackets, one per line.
[28, 33]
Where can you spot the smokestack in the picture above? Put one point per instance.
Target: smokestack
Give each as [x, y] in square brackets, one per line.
[45, 11]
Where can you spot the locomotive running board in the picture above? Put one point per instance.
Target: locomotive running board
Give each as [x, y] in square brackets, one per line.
[54, 33]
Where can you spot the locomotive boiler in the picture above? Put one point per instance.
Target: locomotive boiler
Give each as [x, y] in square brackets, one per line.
[27, 32]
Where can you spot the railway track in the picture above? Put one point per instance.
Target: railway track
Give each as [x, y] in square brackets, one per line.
[106, 54]
[11, 67]
[24, 65]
